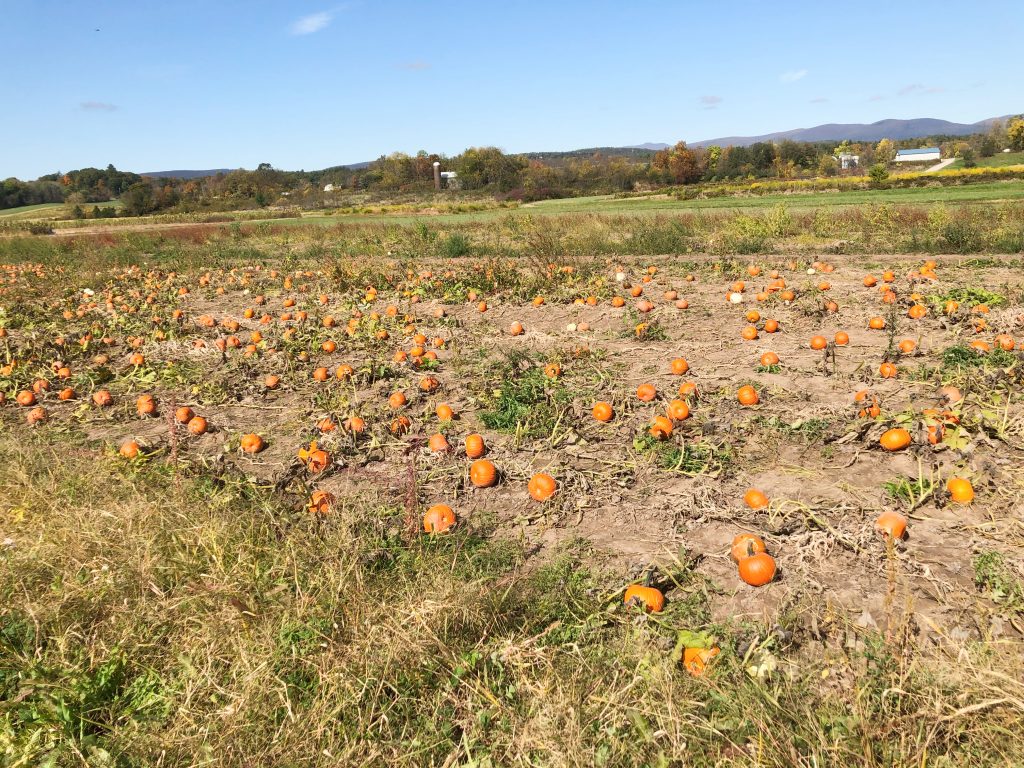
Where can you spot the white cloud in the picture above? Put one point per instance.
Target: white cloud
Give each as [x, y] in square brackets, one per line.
[914, 88]
[793, 75]
[710, 102]
[97, 106]
[307, 25]
[415, 66]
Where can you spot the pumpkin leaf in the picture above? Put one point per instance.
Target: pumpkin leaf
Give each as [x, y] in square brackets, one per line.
[686, 638]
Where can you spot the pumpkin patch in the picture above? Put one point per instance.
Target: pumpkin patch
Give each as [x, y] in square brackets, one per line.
[760, 447]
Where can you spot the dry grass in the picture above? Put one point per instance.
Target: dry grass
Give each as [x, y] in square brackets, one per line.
[157, 617]
[174, 612]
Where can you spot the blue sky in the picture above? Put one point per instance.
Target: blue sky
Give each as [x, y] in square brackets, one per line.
[203, 84]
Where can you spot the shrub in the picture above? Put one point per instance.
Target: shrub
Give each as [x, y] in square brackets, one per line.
[962, 236]
[455, 245]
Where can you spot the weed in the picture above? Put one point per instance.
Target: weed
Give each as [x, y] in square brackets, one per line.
[961, 357]
[910, 491]
[526, 402]
[809, 430]
[967, 296]
[1000, 584]
[689, 458]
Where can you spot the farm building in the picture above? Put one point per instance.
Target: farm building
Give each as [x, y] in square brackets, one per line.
[847, 161]
[925, 155]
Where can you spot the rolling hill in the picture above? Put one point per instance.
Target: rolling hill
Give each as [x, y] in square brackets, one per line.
[185, 174]
[883, 129]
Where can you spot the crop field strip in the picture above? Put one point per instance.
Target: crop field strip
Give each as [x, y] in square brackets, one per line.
[637, 418]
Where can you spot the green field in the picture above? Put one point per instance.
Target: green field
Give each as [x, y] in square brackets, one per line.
[49, 211]
[1000, 160]
[655, 204]
[28, 212]
[987, 192]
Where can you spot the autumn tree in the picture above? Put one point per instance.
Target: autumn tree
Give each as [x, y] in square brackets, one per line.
[138, 199]
[713, 156]
[885, 151]
[678, 164]
[1015, 134]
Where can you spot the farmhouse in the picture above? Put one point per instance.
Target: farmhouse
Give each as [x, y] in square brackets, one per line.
[928, 154]
[847, 161]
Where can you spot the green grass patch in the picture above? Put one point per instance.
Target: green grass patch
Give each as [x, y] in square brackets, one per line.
[810, 430]
[960, 358]
[998, 582]
[688, 458]
[525, 402]
[967, 297]
[910, 491]
[998, 160]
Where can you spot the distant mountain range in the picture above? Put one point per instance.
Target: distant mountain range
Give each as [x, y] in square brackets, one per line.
[185, 174]
[883, 129]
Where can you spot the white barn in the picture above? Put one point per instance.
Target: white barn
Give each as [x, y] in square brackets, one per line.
[925, 155]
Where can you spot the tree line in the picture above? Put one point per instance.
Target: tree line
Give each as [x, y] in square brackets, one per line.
[485, 170]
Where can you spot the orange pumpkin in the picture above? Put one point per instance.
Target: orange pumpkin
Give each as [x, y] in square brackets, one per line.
[757, 570]
[662, 427]
[678, 410]
[355, 424]
[894, 439]
[129, 449]
[696, 660]
[603, 411]
[438, 443]
[747, 395]
[891, 524]
[745, 545]
[438, 519]
[483, 473]
[542, 486]
[197, 425]
[475, 447]
[649, 598]
[252, 443]
[755, 499]
[960, 490]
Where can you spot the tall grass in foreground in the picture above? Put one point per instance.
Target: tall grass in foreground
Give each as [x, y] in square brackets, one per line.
[153, 617]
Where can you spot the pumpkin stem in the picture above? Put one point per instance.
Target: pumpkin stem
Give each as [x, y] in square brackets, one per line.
[648, 575]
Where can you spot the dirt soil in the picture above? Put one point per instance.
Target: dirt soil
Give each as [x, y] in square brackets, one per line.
[803, 444]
